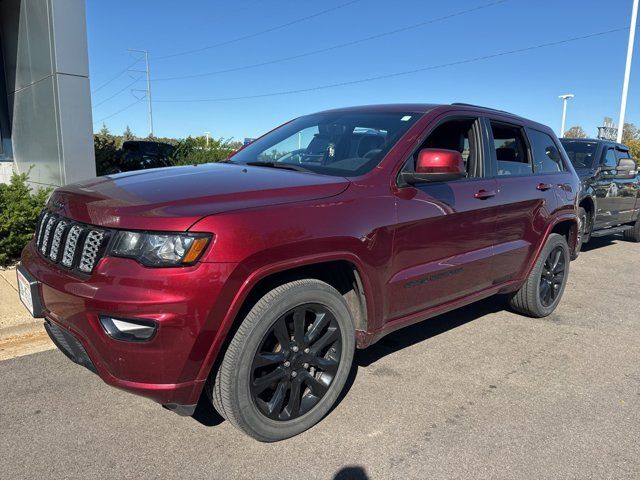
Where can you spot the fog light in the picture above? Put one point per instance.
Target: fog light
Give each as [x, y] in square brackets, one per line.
[129, 330]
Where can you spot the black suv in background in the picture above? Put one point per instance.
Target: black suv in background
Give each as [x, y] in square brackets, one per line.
[610, 197]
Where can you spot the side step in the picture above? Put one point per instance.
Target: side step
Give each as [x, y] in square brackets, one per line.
[610, 231]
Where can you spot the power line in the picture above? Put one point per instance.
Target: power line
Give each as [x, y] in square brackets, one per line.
[256, 34]
[335, 47]
[96, 90]
[119, 111]
[398, 74]
[129, 85]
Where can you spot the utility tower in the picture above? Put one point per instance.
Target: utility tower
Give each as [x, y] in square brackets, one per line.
[147, 91]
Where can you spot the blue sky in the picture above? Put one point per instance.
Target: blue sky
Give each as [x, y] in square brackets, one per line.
[526, 83]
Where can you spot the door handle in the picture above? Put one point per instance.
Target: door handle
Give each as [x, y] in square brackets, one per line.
[544, 187]
[484, 194]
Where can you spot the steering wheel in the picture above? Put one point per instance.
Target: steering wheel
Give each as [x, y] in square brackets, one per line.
[300, 153]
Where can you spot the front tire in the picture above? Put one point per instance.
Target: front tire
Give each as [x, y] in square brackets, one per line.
[543, 289]
[288, 362]
[584, 229]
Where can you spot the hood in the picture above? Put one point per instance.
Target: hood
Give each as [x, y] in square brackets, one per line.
[175, 198]
[584, 172]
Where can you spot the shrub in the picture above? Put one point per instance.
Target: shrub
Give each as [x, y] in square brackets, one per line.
[192, 151]
[106, 152]
[19, 210]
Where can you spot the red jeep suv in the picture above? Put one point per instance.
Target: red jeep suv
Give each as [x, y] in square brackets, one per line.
[256, 278]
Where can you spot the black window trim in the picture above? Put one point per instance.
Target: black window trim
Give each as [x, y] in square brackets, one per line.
[481, 162]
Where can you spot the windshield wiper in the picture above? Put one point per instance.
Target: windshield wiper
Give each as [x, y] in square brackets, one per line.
[286, 166]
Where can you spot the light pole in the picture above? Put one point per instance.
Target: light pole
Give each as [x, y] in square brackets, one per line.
[564, 111]
[627, 69]
[207, 137]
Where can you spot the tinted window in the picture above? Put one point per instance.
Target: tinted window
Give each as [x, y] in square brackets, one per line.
[332, 143]
[609, 159]
[546, 156]
[511, 150]
[581, 154]
[620, 154]
[455, 135]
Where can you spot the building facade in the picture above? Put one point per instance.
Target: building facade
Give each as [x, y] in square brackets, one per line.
[45, 101]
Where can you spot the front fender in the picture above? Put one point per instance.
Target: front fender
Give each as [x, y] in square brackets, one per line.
[245, 278]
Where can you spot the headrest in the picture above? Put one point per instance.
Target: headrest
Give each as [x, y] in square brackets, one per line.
[506, 154]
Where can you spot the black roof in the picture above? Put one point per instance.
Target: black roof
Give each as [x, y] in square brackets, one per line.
[620, 146]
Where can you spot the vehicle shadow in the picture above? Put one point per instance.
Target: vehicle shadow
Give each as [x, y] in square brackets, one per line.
[432, 327]
[600, 242]
[206, 415]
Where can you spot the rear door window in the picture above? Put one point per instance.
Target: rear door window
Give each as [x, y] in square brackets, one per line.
[546, 156]
[512, 154]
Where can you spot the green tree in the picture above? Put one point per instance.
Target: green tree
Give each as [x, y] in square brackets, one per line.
[105, 147]
[631, 138]
[575, 132]
[630, 133]
[194, 150]
[128, 135]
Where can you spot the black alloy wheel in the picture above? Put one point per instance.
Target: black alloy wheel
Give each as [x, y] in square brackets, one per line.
[552, 277]
[296, 362]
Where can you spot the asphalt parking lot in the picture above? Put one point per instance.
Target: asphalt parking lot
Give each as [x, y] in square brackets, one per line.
[477, 393]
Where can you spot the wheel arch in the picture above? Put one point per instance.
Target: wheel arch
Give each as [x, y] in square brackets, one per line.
[343, 271]
[589, 204]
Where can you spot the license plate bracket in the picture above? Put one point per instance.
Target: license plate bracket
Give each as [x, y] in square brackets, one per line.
[29, 291]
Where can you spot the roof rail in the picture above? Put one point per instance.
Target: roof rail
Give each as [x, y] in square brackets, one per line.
[461, 104]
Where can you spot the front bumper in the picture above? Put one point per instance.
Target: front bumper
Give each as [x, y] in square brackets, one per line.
[168, 368]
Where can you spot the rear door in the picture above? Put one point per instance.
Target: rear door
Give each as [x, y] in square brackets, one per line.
[531, 176]
[444, 236]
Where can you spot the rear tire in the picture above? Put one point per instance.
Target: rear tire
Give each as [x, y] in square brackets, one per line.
[633, 234]
[288, 361]
[543, 289]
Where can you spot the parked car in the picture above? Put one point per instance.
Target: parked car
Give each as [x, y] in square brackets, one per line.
[610, 195]
[143, 154]
[255, 279]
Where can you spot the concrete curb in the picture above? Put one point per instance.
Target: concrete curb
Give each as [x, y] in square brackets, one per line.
[27, 328]
[15, 321]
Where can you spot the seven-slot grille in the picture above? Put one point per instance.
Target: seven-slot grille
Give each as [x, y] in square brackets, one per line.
[75, 246]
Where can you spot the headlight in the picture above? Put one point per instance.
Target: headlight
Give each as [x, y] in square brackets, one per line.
[160, 249]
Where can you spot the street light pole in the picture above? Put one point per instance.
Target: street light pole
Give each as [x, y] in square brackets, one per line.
[627, 70]
[564, 111]
[207, 137]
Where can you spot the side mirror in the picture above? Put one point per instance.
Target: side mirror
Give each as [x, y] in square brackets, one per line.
[436, 165]
[626, 169]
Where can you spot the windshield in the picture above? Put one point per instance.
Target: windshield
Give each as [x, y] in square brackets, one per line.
[581, 154]
[342, 144]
